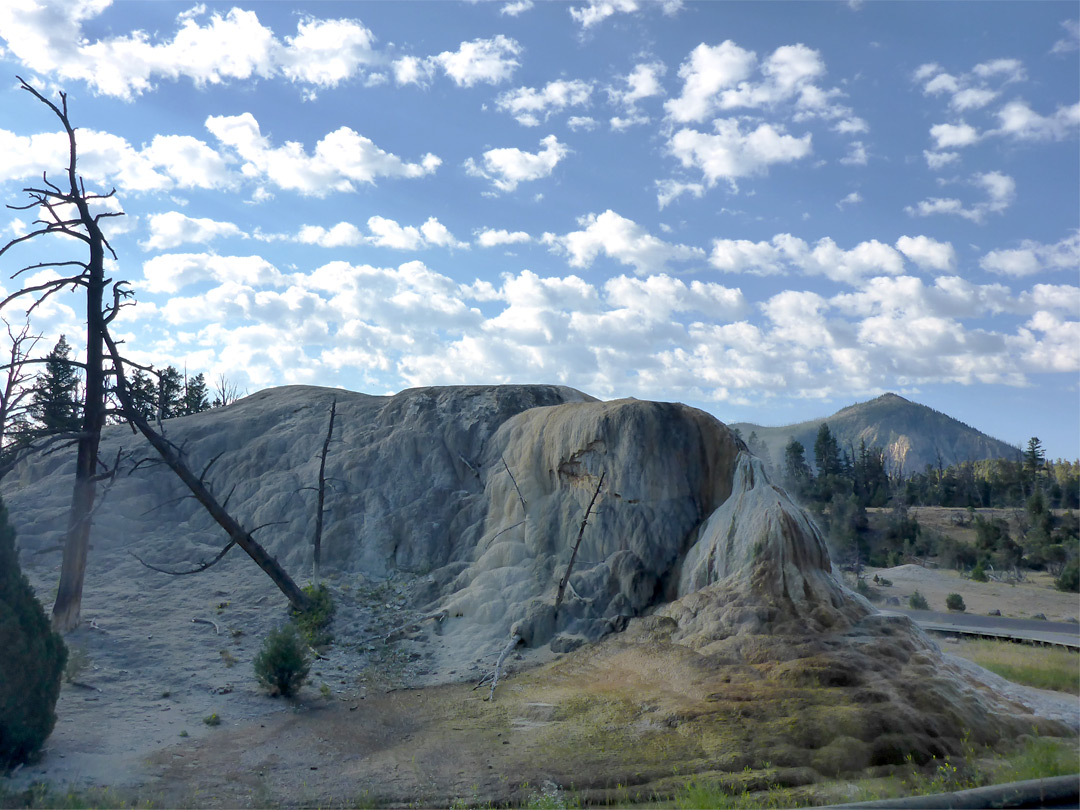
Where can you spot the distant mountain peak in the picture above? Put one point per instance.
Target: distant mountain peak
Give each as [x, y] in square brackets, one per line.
[912, 435]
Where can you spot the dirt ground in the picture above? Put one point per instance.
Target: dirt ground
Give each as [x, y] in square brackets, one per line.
[1024, 600]
[134, 719]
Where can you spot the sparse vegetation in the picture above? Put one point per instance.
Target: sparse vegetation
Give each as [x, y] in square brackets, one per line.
[77, 663]
[1069, 580]
[918, 602]
[314, 622]
[212, 719]
[955, 603]
[1052, 668]
[282, 665]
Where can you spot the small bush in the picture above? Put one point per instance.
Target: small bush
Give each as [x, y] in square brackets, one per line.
[212, 719]
[77, 663]
[314, 623]
[1069, 581]
[918, 602]
[955, 602]
[282, 665]
[32, 659]
[979, 573]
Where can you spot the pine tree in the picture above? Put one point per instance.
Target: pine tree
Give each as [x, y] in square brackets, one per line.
[170, 393]
[143, 391]
[797, 473]
[56, 393]
[827, 452]
[195, 396]
[761, 450]
[1034, 462]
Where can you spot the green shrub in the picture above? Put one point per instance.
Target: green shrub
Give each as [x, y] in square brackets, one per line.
[955, 601]
[1070, 577]
[31, 663]
[979, 573]
[314, 623]
[918, 602]
[282, 665]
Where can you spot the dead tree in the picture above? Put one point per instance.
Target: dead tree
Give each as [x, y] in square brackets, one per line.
[321, 506]
[227, 391]
[67, 211]
[577, 544]
[172, 457]
[14, 388]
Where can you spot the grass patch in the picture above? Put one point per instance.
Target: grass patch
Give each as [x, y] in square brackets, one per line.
[1052, 668]
[314, 623]
[1039, 758]
[45, 796]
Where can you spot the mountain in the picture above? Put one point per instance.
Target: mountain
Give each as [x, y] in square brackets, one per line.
[911, 434]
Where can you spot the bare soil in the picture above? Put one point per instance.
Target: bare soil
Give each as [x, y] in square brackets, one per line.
[362, 733]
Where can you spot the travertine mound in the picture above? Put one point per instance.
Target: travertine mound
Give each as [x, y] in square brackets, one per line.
[479, 492]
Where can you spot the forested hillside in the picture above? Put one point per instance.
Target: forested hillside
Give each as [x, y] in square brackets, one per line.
[910, 435]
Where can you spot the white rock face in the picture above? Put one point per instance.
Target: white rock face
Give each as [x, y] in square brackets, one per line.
[477, 492]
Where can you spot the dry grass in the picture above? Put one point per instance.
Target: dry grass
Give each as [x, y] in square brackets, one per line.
[1052, 668]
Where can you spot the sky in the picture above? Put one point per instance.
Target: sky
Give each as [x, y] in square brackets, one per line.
[765, 210]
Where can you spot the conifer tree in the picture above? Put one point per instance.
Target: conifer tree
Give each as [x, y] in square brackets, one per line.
[170, 393]
[32, 661]
[56, 392]
[143, 391]
[195, 396]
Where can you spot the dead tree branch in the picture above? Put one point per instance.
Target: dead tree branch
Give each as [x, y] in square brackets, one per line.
[577, 545]
[524, 506]
[510, 645]
[317, 550]
[236, 532]
[198, 569]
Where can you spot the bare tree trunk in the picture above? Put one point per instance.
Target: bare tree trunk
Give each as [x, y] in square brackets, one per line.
[237, 533]
[68, 605]
[317, 553]
[577, 544]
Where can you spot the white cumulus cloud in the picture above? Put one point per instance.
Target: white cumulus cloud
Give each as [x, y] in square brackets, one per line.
[339, 160]
[825, 258]
[927, 253]
[172, 228]
[48, 36]
[508, 166]
[531, 106]
[729, 153]
[623, 240]
[1034, 257]
[491, 237]
[1000, 190]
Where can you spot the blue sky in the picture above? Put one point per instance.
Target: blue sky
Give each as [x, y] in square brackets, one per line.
[766, 210]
